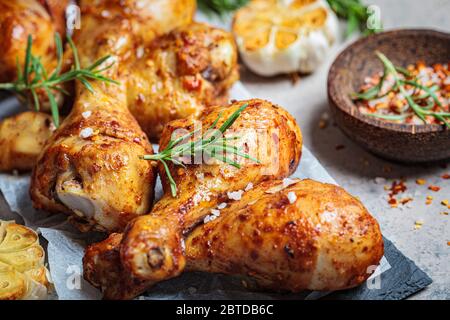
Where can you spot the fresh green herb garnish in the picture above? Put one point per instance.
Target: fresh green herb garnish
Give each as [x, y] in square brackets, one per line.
[220, 7]
[356, 14]
[34, 76]
[399, 84]
[212, 143]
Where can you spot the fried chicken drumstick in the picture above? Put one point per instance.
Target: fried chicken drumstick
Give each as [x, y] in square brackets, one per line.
[20, 18]
[152, 247]
[91, 167]
[180, 75]
[169, 74]
[305, 236]
[285, 234]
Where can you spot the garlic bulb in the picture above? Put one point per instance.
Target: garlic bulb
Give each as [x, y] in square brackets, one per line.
[23, 275]
[284, 36]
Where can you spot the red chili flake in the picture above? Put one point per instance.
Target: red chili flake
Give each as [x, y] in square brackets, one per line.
[434, 188]
[393, 202]
[406, 200]
[396, 188]
[340, 147]
[445, 176]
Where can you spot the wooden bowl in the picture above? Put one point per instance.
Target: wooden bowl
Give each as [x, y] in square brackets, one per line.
[406, 143]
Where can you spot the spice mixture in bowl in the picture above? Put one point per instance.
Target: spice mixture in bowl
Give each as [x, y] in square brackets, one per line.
[389, 92]
[417, 94]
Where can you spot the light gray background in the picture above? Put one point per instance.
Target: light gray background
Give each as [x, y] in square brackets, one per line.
[356, 170]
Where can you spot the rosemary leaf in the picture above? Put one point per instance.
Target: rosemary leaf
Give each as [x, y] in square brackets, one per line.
[27, 59]
[387, 117]
[424, 88]
[210, 143]
[35, 99]
[441, 118]
[229, 122]
[76, 59]
[34, 76]
[53, 106]
[220, 7]
[173, 185]
[352, 24]
[59, 55]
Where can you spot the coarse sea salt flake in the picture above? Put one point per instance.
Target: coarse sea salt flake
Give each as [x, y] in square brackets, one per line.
[235, 195]
[86, 114]
[292, 197]
[222, 206]
[140, 52]
[86, 133]
[249, 186]
[215, 212]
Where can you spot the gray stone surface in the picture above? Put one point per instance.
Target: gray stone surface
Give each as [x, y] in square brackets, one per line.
[356, 170]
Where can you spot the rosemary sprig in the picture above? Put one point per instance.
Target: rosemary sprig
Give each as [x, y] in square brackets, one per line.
[34, 77]
[212, 143]
[355, 13]
[220, 7]
[421, 112]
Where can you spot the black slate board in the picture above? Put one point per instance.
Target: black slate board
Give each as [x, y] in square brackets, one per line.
[401, 281]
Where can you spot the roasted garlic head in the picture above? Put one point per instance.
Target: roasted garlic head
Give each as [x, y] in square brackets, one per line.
[284, 36]
[23, 275]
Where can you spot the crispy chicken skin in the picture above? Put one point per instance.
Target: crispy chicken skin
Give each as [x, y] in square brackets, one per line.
[40, 19]
[147, 18]
[152, 244]
[103, 269]
[22, 138]
[95, 154]
[57, 11]
[152, 248]
[18, 19]
[306, 236]
[181, 75]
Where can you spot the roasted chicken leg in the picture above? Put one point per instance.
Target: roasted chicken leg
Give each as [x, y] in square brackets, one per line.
[285, 236]
[94, 155]
[18, 19]
[152, 244]
[152, 248]
[301, 235]
[40, 19]
[181, 74]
